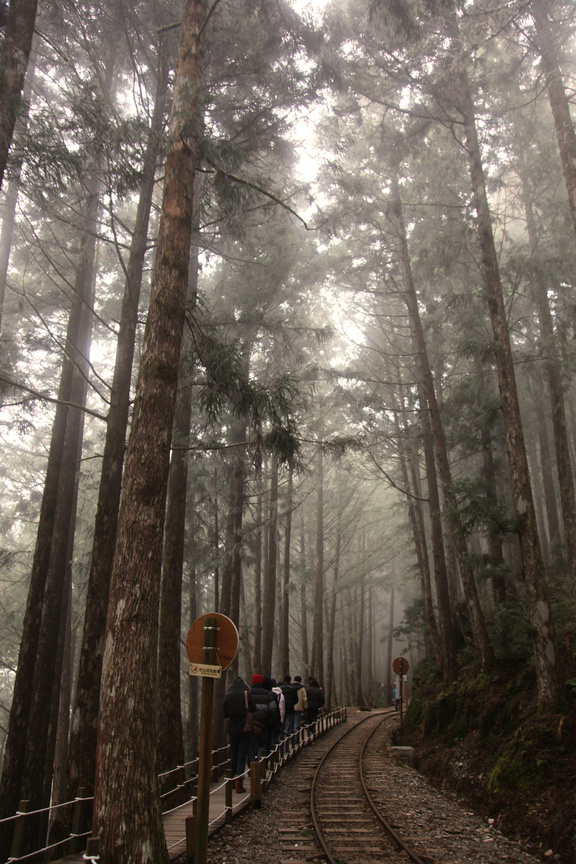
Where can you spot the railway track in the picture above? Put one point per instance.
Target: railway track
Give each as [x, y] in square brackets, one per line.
[321, 809]
[346, 781]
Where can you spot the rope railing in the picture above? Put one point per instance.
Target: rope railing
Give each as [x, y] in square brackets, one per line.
[275, 759]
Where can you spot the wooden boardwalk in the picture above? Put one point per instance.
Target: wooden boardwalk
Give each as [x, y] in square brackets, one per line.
[225, 802]
[175, 820]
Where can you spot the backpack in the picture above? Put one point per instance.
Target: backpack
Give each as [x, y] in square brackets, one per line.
[267, 709]
[290, 697]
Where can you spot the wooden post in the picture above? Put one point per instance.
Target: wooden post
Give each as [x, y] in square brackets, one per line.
[205, 746]
[78, 819]
[190, 823]
[92, 846]
[228, 814]
[256, 784]
[18, 836]
[181, 781]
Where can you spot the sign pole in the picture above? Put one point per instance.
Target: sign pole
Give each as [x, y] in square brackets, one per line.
[401, 693]
[205, 745]
[212, 637]
[401, 667]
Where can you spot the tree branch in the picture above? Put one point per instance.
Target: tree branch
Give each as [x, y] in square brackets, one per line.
[257, 189]
[46, 398]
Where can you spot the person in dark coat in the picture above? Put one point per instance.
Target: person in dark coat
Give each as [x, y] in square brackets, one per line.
[266, 712]
[237, 703]
[290, 700]
[315, 698]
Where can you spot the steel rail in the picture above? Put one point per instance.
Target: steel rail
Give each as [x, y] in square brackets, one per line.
[315, 822]
[387, 827]
[412, 854]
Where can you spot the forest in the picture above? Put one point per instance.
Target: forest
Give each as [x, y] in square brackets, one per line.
[288, 321]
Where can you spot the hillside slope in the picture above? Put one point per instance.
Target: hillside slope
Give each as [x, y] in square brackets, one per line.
[485, 739]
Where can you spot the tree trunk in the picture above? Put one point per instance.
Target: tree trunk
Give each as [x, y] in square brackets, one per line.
[477, 622]
[82, 749]
[41, 735]
[553, 366]
[494, 541]
[317, 660]
[238, 483]
[389, 647]
[10, 201]
[193, 680]
[53, 526]
[546, 460]
[257, 621]
[558, 101]
[216, 546]
[65, 694]
[269, 587]
[330, 678]
[360, 629]
[18, 35]
[169, 712]
[370, 647]
[303, 599]
[444, 654]
[533, 565]
[285, 623]
[127, 814]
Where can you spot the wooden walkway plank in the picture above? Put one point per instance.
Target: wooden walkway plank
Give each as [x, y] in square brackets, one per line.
[175, 821]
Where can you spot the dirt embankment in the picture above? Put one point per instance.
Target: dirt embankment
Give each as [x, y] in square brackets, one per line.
[485, 739]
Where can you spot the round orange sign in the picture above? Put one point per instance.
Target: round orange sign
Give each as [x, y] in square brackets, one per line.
[225, 643]
[400, 666]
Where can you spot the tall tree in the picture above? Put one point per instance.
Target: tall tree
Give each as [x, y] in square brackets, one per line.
[13, 65]
[40, 629]
[285, 606]
[533, 565]
[169, 710]
[477, 622]
[270, 564]
[565, 133]
[82, 747]
[317, 658]
[127, 817]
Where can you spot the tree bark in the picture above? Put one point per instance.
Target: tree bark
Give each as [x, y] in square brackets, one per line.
[445, 655]
[559, 104]
[127, 814]
[428, 398]
[16, 49]
[41, 738]
[533, 565]
[330, 682]
[317, 659]
[303, 599]
[553, 367]
[34, 680]
[169, 711]
[389, 647]
[285, 623]
[193, 680]
[10, 201]
[82, 749]
[360, 630]
[257, 621]
[269, 587]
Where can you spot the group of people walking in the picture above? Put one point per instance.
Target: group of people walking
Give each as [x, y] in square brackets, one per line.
[277, 711]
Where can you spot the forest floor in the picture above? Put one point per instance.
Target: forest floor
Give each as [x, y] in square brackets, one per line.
[485, 740]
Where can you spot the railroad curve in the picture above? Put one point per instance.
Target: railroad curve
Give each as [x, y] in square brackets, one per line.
[348, 824]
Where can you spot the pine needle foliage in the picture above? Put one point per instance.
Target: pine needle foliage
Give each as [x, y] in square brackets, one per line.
[227, 388]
